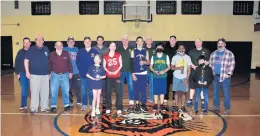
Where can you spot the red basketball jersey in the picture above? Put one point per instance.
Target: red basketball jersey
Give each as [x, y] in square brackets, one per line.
[112, 64]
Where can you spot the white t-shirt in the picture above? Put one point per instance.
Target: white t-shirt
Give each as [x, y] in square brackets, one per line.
[178, 61]
[167, 59]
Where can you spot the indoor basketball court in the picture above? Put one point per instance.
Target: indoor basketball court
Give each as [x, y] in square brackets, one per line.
[236, 21]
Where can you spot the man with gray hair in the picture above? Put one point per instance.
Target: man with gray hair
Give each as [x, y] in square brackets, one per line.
[125, 51]
[36, 68]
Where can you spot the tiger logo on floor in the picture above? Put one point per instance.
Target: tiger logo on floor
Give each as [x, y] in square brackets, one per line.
[150, 123]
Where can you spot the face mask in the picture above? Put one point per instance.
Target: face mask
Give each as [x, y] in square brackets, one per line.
[202, 64]
[180, 53]
[159, 50]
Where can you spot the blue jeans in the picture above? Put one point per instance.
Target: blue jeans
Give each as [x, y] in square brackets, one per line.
[56, 81]
[24, 82]
[87, 94]
[129, 80]
[150, 80]
[197, 97]
[226, 89]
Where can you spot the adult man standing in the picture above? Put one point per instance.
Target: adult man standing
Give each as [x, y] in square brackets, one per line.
[170, 50]
[194, 54]
[151, 50]
[102, 50]
[125, 51]
[60, 69]
[20, 72]
[85, 58]
[222, 62]
[75, 84]
[36, 67]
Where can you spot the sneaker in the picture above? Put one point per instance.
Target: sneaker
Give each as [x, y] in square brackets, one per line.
[130, 108]
[189, 103]
[53, 110]
[137, 108]
[196, 112]
[202, 104]
[108, 111]
[78, 104]
[216, 109]
[47, 110]
[84, 108]
[67, 108]
[205, 112]
[93, 113]
[131, 102]
[165, 101]
[227, 111]
[22, 108]
[119, 112]
[33, 111]
[71, 104]
[183, 109]
[143, 108]
[155, 107]
[97, 111]
[162, 108]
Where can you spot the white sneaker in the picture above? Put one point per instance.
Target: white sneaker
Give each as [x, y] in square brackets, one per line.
[108, 111]
[97, 111]
[93, 113]
[165, 101]
[119, 112]
[131, 102]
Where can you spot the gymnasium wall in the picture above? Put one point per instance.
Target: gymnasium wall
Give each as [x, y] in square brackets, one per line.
[217, 21]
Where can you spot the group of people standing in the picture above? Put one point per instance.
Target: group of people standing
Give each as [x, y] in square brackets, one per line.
[91, 72]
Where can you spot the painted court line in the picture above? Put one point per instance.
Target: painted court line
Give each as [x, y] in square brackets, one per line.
[81, 114]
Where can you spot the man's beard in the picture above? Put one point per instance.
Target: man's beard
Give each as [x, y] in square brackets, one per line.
[221, 48]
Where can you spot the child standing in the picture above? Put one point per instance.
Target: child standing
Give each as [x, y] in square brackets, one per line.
[181, 64]
[95, 74]
[159, 65]
[140, 60]
[202, 77]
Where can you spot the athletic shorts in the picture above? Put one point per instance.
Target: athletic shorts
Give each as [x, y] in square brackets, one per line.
[159, 86]
[178, 85]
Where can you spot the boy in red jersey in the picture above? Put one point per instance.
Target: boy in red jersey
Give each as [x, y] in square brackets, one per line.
[112, 64]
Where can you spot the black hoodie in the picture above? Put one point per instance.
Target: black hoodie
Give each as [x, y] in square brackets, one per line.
[207, 76]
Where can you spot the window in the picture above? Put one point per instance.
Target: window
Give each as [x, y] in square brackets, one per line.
[88, 7]
[41, 7]
[243, 8]
[113, 7]
[166, 7]
[191, 7]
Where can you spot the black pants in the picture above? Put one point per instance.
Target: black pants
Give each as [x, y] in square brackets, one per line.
[114, 83]
[169, 82]
[75, 85]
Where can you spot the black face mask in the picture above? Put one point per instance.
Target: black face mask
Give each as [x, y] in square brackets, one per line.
[202, 64]
[159, 50]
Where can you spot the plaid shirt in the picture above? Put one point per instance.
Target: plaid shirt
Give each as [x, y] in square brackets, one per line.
[227, 64]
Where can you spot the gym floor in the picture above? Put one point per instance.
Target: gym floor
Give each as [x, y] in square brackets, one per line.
[244, 119]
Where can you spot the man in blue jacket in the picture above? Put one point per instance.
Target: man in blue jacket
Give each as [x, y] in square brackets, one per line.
[20, 72]
[85, 58]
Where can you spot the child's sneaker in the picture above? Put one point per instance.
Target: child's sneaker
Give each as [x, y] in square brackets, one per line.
[53, 110]
[155, 107]
[47, 110]
[119, 112]
[227, 111]
[97, 111]
[189, 103]
[93, 113]
[108, 111]
[84, 108]
[78, 104]
[196, 112]
[22, 108]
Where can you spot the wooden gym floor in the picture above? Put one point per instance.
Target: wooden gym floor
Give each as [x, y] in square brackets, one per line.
[244, 119]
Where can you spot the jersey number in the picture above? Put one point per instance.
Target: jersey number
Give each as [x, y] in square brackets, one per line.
[112, 62]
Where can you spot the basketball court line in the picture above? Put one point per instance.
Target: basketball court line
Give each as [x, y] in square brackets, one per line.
[81, 114]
